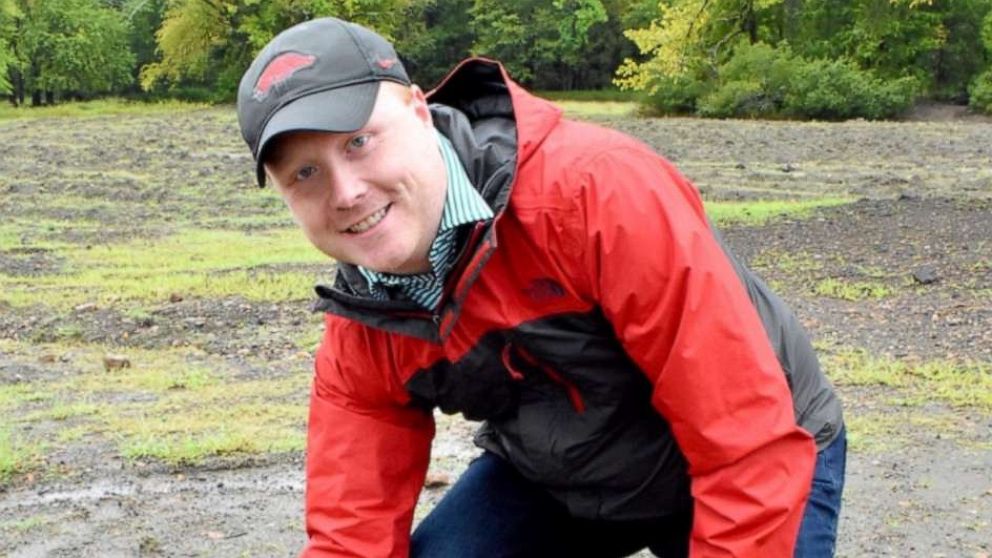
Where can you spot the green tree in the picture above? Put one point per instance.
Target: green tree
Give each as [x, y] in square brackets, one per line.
[884, 52]
[436, 35]
[67, 47]
[544, 44]
[212, 42]
[691, 38]
[981, 88]
[8, 15]
[143, 18]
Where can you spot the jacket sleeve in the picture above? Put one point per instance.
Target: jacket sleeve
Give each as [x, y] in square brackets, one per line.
[367, 452]
[676, 305]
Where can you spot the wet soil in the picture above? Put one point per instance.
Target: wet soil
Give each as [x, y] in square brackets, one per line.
[922, 227]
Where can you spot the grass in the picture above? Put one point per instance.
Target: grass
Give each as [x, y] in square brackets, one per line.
[25, 524]
[887, 431]
[16, 455]
[197, 262]
[754, 213]
[101, 107]
[788, 262]
[958, 384]
[598, 109]
[179, 406]
[592, 95]
[852, 290]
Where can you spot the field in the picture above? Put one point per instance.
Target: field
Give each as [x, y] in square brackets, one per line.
[155, 332]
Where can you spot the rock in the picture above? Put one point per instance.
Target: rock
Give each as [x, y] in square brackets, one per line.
[789, 167]
[740, 166]
[115, 362]
[87, 307]
[175, 297]
[926, 275]
[47, 359]
[437, 480]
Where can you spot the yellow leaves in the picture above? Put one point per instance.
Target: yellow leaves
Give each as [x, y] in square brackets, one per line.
[188, 32]
[673, 41]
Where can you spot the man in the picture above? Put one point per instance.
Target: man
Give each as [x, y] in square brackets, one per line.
[558, 281]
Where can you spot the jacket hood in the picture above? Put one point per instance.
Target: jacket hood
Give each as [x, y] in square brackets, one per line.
[482, 89]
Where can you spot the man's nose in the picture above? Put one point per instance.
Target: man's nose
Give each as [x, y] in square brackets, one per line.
[347, 188]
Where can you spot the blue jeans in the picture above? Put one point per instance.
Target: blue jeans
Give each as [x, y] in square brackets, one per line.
[494, 512]
[818, 531]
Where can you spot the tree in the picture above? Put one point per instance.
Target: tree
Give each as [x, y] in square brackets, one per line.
[8, 15]
[143, 18]
[68, 47]
[691, 38]
[544, 44]
[435, 36]
[212, 42]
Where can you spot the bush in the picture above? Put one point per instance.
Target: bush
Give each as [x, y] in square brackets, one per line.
[751, 83]
[759, 80]
[980, 92]
[674, 96]
[839, 89]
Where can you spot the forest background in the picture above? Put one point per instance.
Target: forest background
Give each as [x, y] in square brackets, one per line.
[822, 59]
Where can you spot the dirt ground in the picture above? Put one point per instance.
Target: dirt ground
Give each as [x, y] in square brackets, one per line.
[921, 227]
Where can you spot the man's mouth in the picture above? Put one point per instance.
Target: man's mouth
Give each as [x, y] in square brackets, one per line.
[369, 222]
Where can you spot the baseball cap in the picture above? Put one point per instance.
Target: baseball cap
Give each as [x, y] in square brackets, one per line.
[322, 75]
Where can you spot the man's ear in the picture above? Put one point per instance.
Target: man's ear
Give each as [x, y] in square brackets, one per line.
[419, 101]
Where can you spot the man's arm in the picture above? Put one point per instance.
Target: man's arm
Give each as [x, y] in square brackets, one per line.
[681, 313]
[367, 456]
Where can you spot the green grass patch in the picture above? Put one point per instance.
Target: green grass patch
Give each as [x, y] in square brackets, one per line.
[16, 455]
[61, 411]
[598, 109]
[188, 438]
[14, 395]
[887, 431]
[26, 524]
[763, 211]
[176, 405]
[788, 262]
[872, 432]
[959, 384]
[101, 107]
[852, 290]
[204, 263]
[592, 95]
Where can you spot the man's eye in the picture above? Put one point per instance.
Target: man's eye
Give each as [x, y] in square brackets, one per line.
[358, 142]
[306, 172]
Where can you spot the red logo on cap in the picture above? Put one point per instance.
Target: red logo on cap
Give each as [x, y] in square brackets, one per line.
[279, 70]
[385, 64]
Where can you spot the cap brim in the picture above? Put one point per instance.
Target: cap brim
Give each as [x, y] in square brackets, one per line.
[344, 109]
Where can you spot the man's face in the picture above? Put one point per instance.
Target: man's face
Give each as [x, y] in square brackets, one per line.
[372, 197]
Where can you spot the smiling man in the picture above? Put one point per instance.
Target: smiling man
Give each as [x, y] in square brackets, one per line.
[639, 387]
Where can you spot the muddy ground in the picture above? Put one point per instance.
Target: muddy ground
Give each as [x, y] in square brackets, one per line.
[921, 226]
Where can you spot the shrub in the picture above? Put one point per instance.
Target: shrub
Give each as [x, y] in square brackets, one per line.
[980, 92]
[838, 89]
[759, 80]
[751, 83]
[674, 96]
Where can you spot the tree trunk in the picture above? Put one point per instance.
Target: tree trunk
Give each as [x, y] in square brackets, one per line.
[36, 98]
[49, 97]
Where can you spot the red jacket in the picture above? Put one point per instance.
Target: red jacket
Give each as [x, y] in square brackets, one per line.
[598, 295]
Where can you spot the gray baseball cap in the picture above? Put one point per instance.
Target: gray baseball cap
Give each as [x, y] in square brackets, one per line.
[321, 75]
